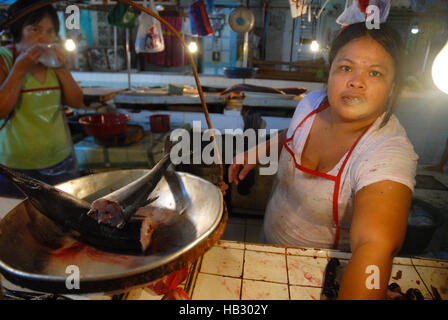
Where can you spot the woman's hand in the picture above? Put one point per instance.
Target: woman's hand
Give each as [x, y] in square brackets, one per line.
[238, 171]
[29, 57]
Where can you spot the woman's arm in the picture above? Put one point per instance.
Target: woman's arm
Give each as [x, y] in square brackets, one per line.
[377, 234]
[11, 82]
[241, 162]
[72, 92]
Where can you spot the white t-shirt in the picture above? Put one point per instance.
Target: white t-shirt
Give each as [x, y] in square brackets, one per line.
[300, 208]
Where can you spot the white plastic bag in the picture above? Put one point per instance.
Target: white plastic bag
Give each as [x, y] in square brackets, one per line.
[353, 14]
[149, 33]
[299, 7]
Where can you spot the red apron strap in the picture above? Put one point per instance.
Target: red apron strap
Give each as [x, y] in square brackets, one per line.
[322, 107]
[298, 166]
[41, 89]
[336, 190]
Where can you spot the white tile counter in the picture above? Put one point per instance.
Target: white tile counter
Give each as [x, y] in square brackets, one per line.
[244, 271]
[233, 270]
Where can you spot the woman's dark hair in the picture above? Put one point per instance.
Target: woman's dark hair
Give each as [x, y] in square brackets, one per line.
[391, 42]
[385, 35]
[33, 17]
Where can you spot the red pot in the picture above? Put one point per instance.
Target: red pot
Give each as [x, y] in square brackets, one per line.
[107, 124]
[160, 123]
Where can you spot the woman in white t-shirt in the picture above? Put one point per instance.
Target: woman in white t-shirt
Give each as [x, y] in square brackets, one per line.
[346, 168]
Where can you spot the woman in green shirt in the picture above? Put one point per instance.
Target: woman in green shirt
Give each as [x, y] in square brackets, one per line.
[33, 137]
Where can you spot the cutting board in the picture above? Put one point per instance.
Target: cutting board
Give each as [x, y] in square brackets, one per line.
[134, 133]
[99, 94]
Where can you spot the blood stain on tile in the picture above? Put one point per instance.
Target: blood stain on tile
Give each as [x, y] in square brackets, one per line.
[306, 270]
[397, 275]
[308, 276]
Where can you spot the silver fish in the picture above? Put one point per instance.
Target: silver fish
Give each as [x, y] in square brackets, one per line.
[116, 208]
[71, 212]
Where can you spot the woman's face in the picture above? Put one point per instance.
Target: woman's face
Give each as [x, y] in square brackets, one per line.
[361, 80]
[42, 32]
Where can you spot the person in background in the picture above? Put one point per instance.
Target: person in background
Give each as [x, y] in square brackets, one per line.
[34, 137]
[346, 168]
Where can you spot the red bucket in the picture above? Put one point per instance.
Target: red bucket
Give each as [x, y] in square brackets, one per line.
[159, 123]
[107, 124]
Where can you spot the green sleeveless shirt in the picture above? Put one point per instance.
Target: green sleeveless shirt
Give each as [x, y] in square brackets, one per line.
[35, 137]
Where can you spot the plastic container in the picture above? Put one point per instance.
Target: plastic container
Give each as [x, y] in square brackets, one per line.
[159, 123]
[107, 124]
[49, 57]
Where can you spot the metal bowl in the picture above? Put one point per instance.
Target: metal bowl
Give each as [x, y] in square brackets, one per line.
[36, 253]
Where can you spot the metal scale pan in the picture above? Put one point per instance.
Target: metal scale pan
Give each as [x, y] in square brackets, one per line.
[35, 252]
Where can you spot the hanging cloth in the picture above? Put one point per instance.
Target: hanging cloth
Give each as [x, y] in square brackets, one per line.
[200, 23]
[299, 7]
[173, 55]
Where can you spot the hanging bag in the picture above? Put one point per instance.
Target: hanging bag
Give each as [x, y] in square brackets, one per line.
[355, 11]
[121, 15]
[149, 33]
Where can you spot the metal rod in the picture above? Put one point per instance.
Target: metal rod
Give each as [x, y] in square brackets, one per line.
[128, 56]
[292, 42]
[322, 9]
[115, 46]
[245, 49]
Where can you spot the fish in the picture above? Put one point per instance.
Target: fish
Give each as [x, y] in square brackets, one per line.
[116, 208]
[394, 293]
[330, 289]
[71, 212]
[253, 88]
[294, 91]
